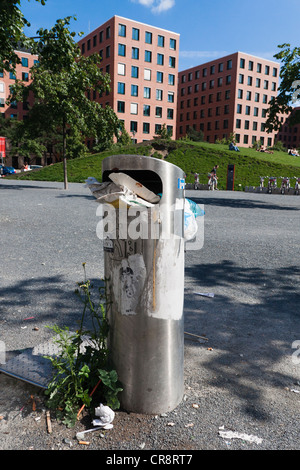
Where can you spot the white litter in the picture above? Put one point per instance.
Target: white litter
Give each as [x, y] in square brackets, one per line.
[237, 435]
[106, 416]
[210, 294]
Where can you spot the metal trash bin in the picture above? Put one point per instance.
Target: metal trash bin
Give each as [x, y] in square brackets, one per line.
[145, 282]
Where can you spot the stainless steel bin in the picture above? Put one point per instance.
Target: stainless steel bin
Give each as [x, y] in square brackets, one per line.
[145, 281]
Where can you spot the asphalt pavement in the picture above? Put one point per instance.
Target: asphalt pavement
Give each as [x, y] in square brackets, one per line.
[241, 368]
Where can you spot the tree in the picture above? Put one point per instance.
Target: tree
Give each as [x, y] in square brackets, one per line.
[12, 36]
[61, 82]
[289, 88]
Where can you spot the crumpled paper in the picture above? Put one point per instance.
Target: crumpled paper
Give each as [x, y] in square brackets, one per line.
[106, 416]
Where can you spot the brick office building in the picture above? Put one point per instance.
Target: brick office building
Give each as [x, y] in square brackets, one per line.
[288, 134]
[228, 95]
[16, 110]
[142, 61]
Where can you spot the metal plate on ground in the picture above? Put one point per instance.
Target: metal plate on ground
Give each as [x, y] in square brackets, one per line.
[31, 366]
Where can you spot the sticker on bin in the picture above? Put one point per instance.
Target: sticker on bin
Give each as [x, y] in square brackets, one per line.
[181, 183]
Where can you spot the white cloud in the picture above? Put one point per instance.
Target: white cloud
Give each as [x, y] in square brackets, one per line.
[157, 6]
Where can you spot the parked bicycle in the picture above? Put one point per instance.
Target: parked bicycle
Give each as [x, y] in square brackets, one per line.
[272, 183]
[285, 184]
[297, 184]
[262, 179]
[196, 175]
[212, 181]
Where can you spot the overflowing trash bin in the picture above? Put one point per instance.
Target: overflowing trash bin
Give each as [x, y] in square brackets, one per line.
[142, 203]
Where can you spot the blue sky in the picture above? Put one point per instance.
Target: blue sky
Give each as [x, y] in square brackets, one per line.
[208, 28]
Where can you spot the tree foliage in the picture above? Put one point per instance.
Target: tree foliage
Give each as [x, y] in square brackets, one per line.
[12, 37]
[62, 82]
[289, 88]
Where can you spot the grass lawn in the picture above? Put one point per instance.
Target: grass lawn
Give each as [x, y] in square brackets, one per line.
[192, 157]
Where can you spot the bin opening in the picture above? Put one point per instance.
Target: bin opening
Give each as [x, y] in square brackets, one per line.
[147, 178]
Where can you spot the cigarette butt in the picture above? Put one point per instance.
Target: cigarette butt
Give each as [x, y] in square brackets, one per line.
[86, 443]
[49, 426]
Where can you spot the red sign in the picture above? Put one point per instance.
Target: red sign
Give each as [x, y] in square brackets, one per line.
[2, 147]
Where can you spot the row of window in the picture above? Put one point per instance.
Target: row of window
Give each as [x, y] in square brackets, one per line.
[146, 126]
[135, 35]
[220, 82]
[135, 54]
[122, 32]
[147, 91]
[220, 68]
[217, 125]
[218, 112]
[195, 102]
[146, 110]
[135, 73]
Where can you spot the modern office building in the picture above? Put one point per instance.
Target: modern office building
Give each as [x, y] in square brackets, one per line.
[228, 95]
[142, 61]
[7, 79]
[288, 134]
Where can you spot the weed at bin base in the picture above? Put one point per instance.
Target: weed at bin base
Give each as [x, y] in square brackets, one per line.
[83, 360]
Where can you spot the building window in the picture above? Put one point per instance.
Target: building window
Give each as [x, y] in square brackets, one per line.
[134, 71]
[24, 62]
[170, 113]
[25, 76]
[121, 106]
[133, 108]
[135, 34]
[148, 37]
[94, 41]
[160, 59]
[146, 128]
[249, 83]
[250, 66]
[122, 50]
[239, 109]
[122, 30]
[247, 111]
[242, 63]
[267, 69]
[158, 111]
[161, 41]
[148, 56]
[83, 48]
[170, 97]
[133, 126]
[238, 124]
[172, 62]
[108, 51]
[135, 53]
[241, 78]
[147, 74]
[134, 90]
[229, 64]
[240, 94]
[248, 97]
[121, 88]
[159, 77]
[159, 95]
[146, 111]
[171, 79]
[173, 44]
[228, 79]
[12, 76]
[147, 92]
[108, 32]
[258, 68]
[101, 36]
[121, 69]
[257, 83]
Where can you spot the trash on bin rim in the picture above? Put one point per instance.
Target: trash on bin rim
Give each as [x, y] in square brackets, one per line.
[114, 191]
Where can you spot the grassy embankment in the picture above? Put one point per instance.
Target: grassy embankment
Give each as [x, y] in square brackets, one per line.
[192, 157]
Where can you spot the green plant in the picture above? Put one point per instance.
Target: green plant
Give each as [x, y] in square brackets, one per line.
[83, 360]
